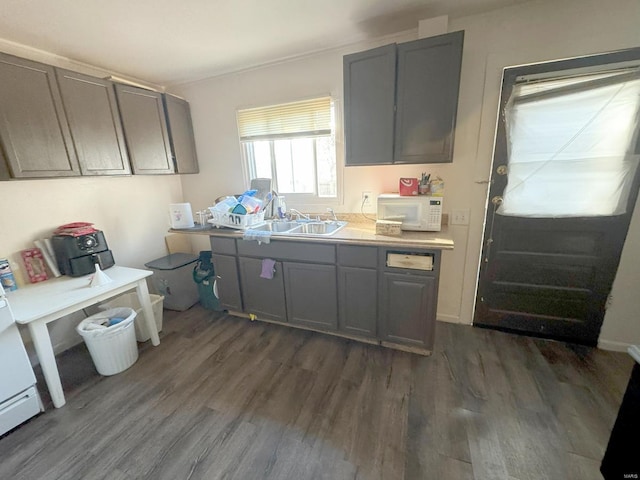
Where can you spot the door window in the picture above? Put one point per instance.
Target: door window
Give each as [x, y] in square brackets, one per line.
[571, 145]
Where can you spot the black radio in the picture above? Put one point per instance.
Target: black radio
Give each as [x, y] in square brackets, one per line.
[77, 256]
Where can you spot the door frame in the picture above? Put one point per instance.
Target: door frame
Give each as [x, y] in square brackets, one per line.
[498, 182]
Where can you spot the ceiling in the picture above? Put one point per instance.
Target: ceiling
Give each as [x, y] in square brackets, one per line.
[173, 41]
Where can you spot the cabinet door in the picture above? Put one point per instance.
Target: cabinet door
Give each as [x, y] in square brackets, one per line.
[369, 96]
[262, 297]
[427, 98]
[312, 298]
[408, 309]
[145, 130]
[92, 113]
[227, 282]
[33, 127]
[357, 293]
[183, 143]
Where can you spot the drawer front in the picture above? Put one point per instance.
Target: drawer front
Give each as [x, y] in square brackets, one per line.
[304, 251]
[224, 246]
[19, 409]
[356, 256]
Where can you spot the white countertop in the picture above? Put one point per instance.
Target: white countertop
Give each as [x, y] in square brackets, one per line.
[355, 233]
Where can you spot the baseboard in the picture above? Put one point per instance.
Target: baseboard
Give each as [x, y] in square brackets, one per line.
[613, 346]
[443, 317]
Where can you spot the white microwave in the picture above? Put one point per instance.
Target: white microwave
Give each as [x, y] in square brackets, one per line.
[417, 212]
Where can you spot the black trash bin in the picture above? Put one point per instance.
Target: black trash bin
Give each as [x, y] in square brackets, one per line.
[172, 278]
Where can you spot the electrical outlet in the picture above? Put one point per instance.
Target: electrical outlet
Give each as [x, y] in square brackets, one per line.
[366, 198]
[460, 217]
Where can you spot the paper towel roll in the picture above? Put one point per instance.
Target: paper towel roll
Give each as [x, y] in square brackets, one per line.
[181, 215]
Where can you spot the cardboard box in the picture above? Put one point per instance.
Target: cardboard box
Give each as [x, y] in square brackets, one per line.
[389, 227]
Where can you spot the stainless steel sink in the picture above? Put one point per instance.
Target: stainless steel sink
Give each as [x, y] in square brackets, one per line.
[317, 228]
[301, 228]
[276, 227]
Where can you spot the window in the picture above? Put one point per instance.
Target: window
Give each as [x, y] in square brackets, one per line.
[571, 145]
[294, 145]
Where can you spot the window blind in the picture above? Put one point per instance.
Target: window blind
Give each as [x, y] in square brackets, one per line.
[289, 120]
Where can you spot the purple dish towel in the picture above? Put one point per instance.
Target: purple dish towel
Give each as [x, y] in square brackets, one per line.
[267, 268]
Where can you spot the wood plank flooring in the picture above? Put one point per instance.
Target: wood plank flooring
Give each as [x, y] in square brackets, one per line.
[226, 398]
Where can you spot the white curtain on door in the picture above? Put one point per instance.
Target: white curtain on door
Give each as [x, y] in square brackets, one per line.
[572, 146]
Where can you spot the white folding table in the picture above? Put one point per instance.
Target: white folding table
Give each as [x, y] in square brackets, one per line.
[41, 303]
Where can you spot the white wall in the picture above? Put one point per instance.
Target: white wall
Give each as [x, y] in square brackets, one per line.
[532, 32]
[132, 211]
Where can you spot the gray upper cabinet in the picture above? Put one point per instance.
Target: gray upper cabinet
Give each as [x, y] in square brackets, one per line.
[34, 132]
[183, 144]
[145, 130]
[369, 96]
[427, 99]
[408, 115]
[92, 113]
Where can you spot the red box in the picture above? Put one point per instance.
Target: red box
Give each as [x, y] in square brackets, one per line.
[408, 186]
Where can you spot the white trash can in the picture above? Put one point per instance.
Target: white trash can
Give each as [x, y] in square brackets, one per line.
[131, 300]
[113, 348]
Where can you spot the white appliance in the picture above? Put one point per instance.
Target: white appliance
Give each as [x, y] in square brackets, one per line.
[181, 215]
[416, 212]
[19, 399]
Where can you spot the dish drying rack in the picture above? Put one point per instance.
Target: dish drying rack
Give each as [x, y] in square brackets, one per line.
[235, 220]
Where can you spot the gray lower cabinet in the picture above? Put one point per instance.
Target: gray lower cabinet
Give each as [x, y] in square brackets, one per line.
[94, 119]
[354, 290]
[34, 133]
[183, 144]
[408, 308]
[227, 281]
[145, 130]
[312, 298]
[357, 289]
[263, 297]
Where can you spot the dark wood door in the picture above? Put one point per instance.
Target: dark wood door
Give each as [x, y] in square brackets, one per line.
[92, 112]
[34, 132]
[145, 130]
[181, 133]
[548, 276]
[369, 102]
[428, 81]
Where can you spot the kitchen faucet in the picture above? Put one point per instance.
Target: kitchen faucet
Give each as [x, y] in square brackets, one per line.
[330, 210]
[299, 214]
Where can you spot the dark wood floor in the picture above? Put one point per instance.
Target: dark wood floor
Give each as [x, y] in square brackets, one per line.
[222, 397]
